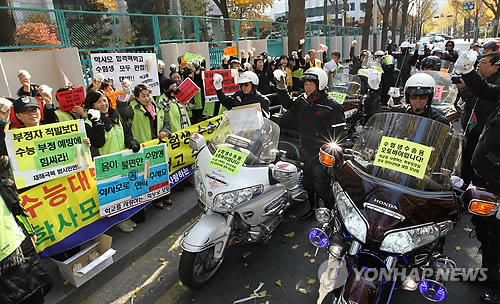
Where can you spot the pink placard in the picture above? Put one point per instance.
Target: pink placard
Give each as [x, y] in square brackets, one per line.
[439, 92]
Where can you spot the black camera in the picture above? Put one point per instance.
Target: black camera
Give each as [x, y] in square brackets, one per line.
[456, 78]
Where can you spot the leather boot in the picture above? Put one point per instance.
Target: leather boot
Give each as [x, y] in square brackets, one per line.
[313, 205]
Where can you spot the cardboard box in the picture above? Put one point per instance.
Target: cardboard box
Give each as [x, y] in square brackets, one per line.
[102, 244]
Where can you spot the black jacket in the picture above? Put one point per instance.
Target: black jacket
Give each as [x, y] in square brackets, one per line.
[316, 119]
[356, 63]
[405, 61]
[264, 83]
[240, 99]
[453, 56]
[486, 157]
[482, 108]
[430, 112]
[391, 79]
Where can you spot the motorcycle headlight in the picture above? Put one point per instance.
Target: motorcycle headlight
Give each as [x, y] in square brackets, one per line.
[233, 198]
[405, 241]
[351, 217]
[323, 215]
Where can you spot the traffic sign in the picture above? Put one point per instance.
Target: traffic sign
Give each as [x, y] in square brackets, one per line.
[494, 22]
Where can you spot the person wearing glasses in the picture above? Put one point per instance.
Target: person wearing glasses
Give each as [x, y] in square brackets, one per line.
[247, 94]
[449, 53]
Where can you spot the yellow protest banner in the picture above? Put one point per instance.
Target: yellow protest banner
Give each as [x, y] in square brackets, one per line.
[403, 156]
[179, 153]
[231, 51]
[227, 160]
[42, 153]
[61, 207]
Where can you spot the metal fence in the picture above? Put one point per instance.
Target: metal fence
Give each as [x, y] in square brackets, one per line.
[25, 28]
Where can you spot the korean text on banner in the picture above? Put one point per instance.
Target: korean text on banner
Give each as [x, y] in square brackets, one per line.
[231, 51]
[187, 90]
[180, 155]
[403, 156]
[229, 85]
[137, 67]
[190, 57]
[127, 179]
[61, 206]
[39, 154]
[69, 99]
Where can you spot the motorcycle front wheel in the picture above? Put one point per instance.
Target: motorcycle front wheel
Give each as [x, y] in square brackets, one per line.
[196, 268]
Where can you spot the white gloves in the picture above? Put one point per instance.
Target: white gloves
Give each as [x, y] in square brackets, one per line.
[374, 78]
[5, 104]
[247, 66]
[280, 77]
[307, 57]
[218, 81]
[225, 57]
[243, 53]
[295, 54]
[354, 42]
[94, 114]
[302, 41]
[465, 63]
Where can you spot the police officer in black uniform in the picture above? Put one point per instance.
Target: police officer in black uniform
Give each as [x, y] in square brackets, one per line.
[321, 120]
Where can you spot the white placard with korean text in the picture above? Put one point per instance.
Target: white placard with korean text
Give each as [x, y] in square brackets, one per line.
[137, 67]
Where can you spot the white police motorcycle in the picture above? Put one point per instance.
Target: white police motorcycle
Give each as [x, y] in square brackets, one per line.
[242, 189]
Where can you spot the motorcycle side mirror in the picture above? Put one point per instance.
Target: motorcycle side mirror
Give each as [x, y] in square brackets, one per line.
[197, 141]
[480, 201]
[331, 156]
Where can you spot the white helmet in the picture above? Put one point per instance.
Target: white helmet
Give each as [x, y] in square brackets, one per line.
[379, 53]
[318, 75]
[249, 76]
[420, 84]
[405, 44]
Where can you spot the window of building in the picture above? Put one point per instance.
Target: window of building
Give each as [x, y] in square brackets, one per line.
[352, 6]
[362, 6]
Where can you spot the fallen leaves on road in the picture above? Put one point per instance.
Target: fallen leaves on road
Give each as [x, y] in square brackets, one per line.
[295, 246]
[161, 259]
[292, 216]
[158, 248]
[146, 261]
[291, 234]
[159, 278]
[279, 284]
[312, 261]
[144, 276]
[303, 290]
[457, 248]
[307, 254]
[311, 281]
[468, 229]
[246, 254]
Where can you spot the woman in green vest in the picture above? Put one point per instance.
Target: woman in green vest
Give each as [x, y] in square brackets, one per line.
[104, 127]
[107, 134]
[144, 119]
[175, 112]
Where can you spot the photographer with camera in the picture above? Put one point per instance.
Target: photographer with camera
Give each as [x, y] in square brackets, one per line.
[476, 110]
[486, 166]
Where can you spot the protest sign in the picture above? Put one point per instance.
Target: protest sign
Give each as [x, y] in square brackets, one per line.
[187, 90]
[42, 153]
[190, 57]
[439, 92]
[231, 51]
[227, 160]
[339, 97]
[403, 156]
[80, 195]
[127, 179]
[229, 85]
[137, 67]
[69, 99]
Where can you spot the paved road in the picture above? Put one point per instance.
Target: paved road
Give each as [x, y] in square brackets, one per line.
[153, 278]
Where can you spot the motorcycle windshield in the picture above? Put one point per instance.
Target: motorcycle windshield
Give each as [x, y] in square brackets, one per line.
[409, 150]
[447, 65]
[445, 92]
[347, 84]
[250, 133]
